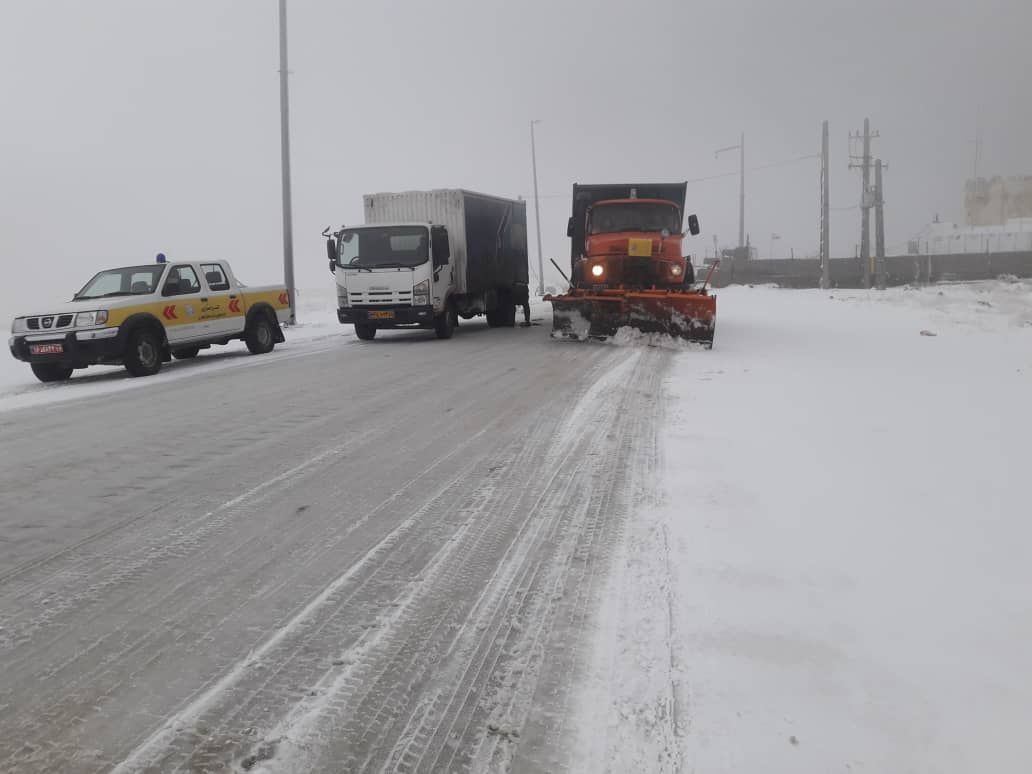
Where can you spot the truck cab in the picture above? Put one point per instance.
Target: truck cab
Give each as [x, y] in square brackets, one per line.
[391, 276]
[633, 243]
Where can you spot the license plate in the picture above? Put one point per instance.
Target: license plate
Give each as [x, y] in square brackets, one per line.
[384, 315]
[46, 349]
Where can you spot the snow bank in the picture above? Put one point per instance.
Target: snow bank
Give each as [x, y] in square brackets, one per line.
[838, 577]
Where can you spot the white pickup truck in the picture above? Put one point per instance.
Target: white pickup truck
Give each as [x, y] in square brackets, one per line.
[142, 316]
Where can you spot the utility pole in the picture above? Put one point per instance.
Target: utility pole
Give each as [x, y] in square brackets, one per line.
[741, 187]
[537, 211]
[863, 162]
[825, 251]
[288, 220]
[879, 225]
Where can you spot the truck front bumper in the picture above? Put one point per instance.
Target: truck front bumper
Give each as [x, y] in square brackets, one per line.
[78, 349]
[400, 317]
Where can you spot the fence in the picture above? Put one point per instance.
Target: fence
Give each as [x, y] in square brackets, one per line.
[848, 272]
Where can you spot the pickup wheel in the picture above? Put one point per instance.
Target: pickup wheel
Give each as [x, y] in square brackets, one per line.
[185, 353]
[51, 372]
[258, 336]
[143, 355]
[365, 332]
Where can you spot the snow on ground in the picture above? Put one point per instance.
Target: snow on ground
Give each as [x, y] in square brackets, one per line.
[837, 577]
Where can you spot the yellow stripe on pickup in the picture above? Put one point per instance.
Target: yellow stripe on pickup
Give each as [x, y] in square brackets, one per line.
[170, 312]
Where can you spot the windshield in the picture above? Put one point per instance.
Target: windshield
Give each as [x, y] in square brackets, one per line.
[386, 246]
[130, 281]
[612, 218]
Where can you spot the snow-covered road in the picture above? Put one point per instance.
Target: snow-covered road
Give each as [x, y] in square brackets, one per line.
[341, 557]
[805, 550]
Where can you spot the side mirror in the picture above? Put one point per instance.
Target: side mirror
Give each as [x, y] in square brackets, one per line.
[569, 228]
[331, 253]
[693, 225]
[440, 247]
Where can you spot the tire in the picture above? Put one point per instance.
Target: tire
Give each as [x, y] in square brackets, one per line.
[492, 318]
[143, 354]
[186, 353]
[444, 323]
[506, 310]
[365, 332]
[259, 335]
[51, 372]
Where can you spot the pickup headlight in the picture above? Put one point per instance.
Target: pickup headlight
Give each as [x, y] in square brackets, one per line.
[90, 319]
[19, 326]
[421, 294]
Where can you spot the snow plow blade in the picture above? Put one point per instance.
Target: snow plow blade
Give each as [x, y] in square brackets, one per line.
[684, 314]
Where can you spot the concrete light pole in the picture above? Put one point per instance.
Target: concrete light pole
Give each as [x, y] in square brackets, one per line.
[537, 211]
[288, 220]
[741, 186]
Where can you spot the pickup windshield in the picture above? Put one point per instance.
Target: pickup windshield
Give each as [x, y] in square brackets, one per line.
[130, 281]
[613, 218]
[369, 248]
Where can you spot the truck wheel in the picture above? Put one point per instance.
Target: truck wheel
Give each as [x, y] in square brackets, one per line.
[143, 355]
[506, 310]
[258, 337]
[492, 318]
[51, 372]
[444, 323]
[186, 353]
[365, 332]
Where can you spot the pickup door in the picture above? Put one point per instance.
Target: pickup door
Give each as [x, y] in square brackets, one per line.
[183, 299]
[225, 304]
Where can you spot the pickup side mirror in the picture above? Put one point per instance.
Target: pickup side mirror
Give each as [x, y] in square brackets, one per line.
[440, 247]
[569, 228]
[693, 225]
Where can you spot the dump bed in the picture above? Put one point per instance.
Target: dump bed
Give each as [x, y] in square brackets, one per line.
[488, 234]
[586, 195]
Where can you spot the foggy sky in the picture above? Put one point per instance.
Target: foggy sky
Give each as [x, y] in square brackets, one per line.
[136, 126]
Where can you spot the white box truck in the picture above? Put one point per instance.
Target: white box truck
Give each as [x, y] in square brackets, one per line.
[422, 259]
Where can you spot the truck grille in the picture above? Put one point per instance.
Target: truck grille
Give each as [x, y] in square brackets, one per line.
[380, 297]
[639, 272]
[49, 322]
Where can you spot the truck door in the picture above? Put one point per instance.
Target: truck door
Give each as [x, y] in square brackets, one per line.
[181, 302]
[224, 307]
[442, 264]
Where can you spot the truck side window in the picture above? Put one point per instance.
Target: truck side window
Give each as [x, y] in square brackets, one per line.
[215, 276]
[181, 280]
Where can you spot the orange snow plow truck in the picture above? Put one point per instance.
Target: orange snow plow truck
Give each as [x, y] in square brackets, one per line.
[628, 268]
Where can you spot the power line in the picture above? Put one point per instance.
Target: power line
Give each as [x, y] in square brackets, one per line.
[782, 163]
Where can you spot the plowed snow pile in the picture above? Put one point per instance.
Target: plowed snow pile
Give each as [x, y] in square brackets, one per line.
[837, 575]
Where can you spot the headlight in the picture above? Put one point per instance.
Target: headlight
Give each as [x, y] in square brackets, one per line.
[90, 319]
[598, 270]
[676, 270]
[421, 293]
[19, 326]
[342, 296]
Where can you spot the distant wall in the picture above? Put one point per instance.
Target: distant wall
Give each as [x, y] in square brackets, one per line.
[848, 272]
